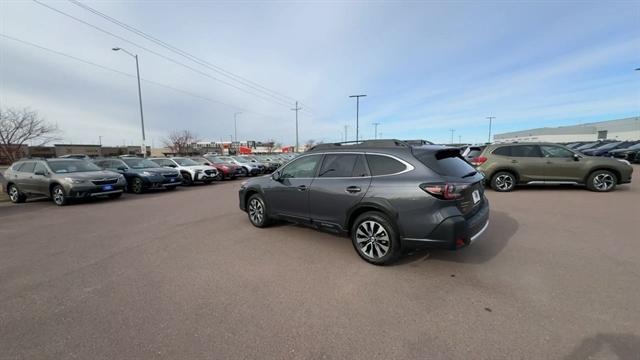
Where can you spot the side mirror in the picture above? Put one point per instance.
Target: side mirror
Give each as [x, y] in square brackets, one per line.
[40, 172]
[576, 157]
[276, 176]
[122, 168]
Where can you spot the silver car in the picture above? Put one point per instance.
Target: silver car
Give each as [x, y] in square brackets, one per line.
[61, 180]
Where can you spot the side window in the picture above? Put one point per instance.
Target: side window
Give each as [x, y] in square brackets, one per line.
[525, 151]
[101, 163]
[40, 168]
[338, 165]
[114, 164]
[28, 167]
[360, 167]
[304, 167]
[503, 151]
[555, 152]
[384, 165]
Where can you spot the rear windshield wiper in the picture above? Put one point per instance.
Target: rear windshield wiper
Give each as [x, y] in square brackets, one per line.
[470, 174]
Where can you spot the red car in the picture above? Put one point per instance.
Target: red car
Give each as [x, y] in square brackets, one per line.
[225, 170]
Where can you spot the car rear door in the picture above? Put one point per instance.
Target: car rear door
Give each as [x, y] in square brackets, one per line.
[289, 195]
[342, 182]
[528, 162]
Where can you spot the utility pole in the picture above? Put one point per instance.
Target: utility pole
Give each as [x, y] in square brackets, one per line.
[143, 148]
[346, 127]
[235, 125]
[452, 131]
[357, 114]
[490, 120]
[100, 139]
[375, 132]
[296, 109]
[459, 139]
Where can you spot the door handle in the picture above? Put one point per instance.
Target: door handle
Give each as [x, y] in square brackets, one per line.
[353, 189]
[302, 188]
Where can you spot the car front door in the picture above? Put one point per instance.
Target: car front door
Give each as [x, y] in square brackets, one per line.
[24, 177]
[341, 183]
[561, 165]
[529, 163]
[288, 196]
[40, 179]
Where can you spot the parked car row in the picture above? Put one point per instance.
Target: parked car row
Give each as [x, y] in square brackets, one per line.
[628, 150]
[507, 165]
[77, 177]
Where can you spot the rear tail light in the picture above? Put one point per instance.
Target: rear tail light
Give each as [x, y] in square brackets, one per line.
[450, 191]
[478, 160]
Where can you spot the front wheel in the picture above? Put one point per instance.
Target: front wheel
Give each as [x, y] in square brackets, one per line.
[601, 181]
[375, 239]
[503, 181]
[257, 211]
[136, 186]
[186, 179]
[15, 195]
[58, 195]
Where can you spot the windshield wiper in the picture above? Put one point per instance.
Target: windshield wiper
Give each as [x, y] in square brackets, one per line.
[470, 174]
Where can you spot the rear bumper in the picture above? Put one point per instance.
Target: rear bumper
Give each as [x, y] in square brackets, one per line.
[454, 232]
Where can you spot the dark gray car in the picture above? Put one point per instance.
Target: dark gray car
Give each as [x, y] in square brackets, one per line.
[385, 194]
[61, 180]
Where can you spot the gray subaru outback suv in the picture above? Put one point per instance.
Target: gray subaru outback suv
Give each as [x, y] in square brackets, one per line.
[61, 180]
[385, 194]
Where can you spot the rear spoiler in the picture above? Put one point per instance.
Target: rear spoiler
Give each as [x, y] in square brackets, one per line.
[447, 153]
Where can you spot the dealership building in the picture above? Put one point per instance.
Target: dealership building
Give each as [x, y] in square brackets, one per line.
[621, 129]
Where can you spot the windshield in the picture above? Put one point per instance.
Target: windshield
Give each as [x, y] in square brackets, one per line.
[608, 146]
[72, 166]
[136, 163]
[634, 147]
[185, 162]
[239, 159]
[216, 159]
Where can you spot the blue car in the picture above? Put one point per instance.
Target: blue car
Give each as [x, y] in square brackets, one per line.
[142, 174]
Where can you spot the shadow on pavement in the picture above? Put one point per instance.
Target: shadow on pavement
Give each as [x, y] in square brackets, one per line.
[501, 228]
[624, 346]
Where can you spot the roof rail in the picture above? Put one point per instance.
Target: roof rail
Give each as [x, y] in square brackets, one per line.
[383, 143]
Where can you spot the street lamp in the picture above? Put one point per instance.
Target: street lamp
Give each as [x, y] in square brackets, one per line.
[357, 112]
[235, 124]
[144, 148]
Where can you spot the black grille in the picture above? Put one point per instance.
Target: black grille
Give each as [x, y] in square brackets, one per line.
[209, 172]
[169, 176]
[105, 181]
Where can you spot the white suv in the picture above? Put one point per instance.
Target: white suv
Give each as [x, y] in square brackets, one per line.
[191, 171]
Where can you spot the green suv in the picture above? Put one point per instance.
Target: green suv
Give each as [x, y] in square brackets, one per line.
[507, 165]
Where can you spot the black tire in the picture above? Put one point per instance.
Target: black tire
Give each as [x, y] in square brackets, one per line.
[371, 233]
[257, 211]
[137, 186]
[186, 179]
[602, 181]
[219, 177]
[116, 196]
[59, 196]
[15, 195]
[503, 181]
[208, 181]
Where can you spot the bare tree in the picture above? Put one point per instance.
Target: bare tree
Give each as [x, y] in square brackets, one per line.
[310, 143]
[181, 142]
[271, 145]
[19, 127]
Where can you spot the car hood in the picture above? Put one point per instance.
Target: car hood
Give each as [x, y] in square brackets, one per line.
[89, 175]
[200, 167]
[158, 171]
[618, 151]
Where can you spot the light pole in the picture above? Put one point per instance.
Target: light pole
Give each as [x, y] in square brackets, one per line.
[452, 131]
[375, 132]
[144, 148]
[490, 120]
[100, 139]
[296, 109]
[357, 113]
[235, 125]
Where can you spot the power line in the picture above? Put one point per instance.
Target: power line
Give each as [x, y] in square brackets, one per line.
[87, 62]
[276, 95]
[159, 54]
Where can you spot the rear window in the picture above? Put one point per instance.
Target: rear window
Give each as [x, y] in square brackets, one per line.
[384, 165]
[445, 162]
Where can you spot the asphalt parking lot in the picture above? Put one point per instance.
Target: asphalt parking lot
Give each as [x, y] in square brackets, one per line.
[183, 275]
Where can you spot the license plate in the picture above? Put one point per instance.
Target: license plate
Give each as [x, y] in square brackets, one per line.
[171, 180]
[107, 188]
[476, 196]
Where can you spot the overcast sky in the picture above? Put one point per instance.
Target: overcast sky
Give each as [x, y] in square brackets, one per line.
[426, 67]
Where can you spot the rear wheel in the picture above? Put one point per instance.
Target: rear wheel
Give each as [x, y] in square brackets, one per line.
[375, 239]
[15, 195]
[257, 211]
[601, 181]
[58, 196]
[503, 181]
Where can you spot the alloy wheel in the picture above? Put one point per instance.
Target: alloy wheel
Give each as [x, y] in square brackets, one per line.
[256, 211]
[603, 182]
[136, 187]
[58, 195]
[14, 194]
[504, 182]
[373, 239]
